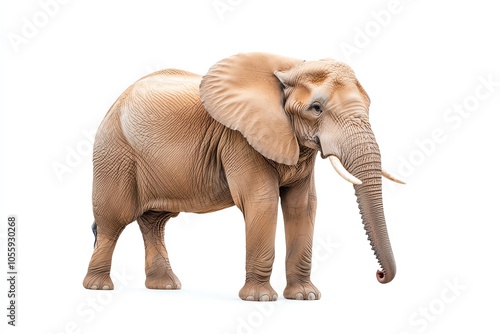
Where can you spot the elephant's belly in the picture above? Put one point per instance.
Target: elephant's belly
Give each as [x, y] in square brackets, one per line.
[178, 187]
[195, 204]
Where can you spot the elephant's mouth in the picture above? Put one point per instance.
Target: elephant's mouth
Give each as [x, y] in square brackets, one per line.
[316, 140]
[317, 143]
[314, 143]
[342, 171]
[335, 161]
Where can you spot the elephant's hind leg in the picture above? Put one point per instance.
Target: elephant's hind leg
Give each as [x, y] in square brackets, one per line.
[114, 196]
[97, 277]
[159, 274]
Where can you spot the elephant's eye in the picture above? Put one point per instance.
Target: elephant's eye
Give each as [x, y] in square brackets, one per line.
[317, 107]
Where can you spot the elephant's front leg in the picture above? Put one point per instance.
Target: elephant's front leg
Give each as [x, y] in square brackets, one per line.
[299, 209]
[260, 234]
[259, 204]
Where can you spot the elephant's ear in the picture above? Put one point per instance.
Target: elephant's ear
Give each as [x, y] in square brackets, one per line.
[243, 93]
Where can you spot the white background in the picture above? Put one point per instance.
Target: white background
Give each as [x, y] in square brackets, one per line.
[417, 63]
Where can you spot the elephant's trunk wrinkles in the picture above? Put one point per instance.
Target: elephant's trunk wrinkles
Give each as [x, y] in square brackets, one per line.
[372, 213]
[365, 164]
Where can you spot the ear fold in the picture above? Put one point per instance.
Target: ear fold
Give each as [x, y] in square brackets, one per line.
[243, 93]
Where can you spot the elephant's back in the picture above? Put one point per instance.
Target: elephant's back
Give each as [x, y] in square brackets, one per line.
[169, 81]
[160, 94]
[159, 107]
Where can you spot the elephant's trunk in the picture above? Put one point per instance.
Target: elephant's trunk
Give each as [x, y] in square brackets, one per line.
[365, 164]
[360, 156]
[369, 196]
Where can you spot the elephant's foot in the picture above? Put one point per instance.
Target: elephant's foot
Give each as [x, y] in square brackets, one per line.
[98, 282]
[258, 291]
[166, 281]
[301, 291]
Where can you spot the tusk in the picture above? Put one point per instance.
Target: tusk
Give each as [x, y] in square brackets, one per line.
[337, 165]
[392, 178]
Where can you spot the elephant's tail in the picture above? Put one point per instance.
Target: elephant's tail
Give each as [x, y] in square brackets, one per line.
[94, 230]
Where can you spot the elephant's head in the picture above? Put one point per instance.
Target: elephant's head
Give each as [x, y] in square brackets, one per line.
[280, 104]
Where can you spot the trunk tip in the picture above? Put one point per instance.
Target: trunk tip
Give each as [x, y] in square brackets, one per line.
[383, 278]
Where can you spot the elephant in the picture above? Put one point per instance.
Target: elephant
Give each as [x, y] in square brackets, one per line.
[247, 134]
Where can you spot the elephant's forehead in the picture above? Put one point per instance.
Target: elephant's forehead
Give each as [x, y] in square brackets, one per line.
[327, 70]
